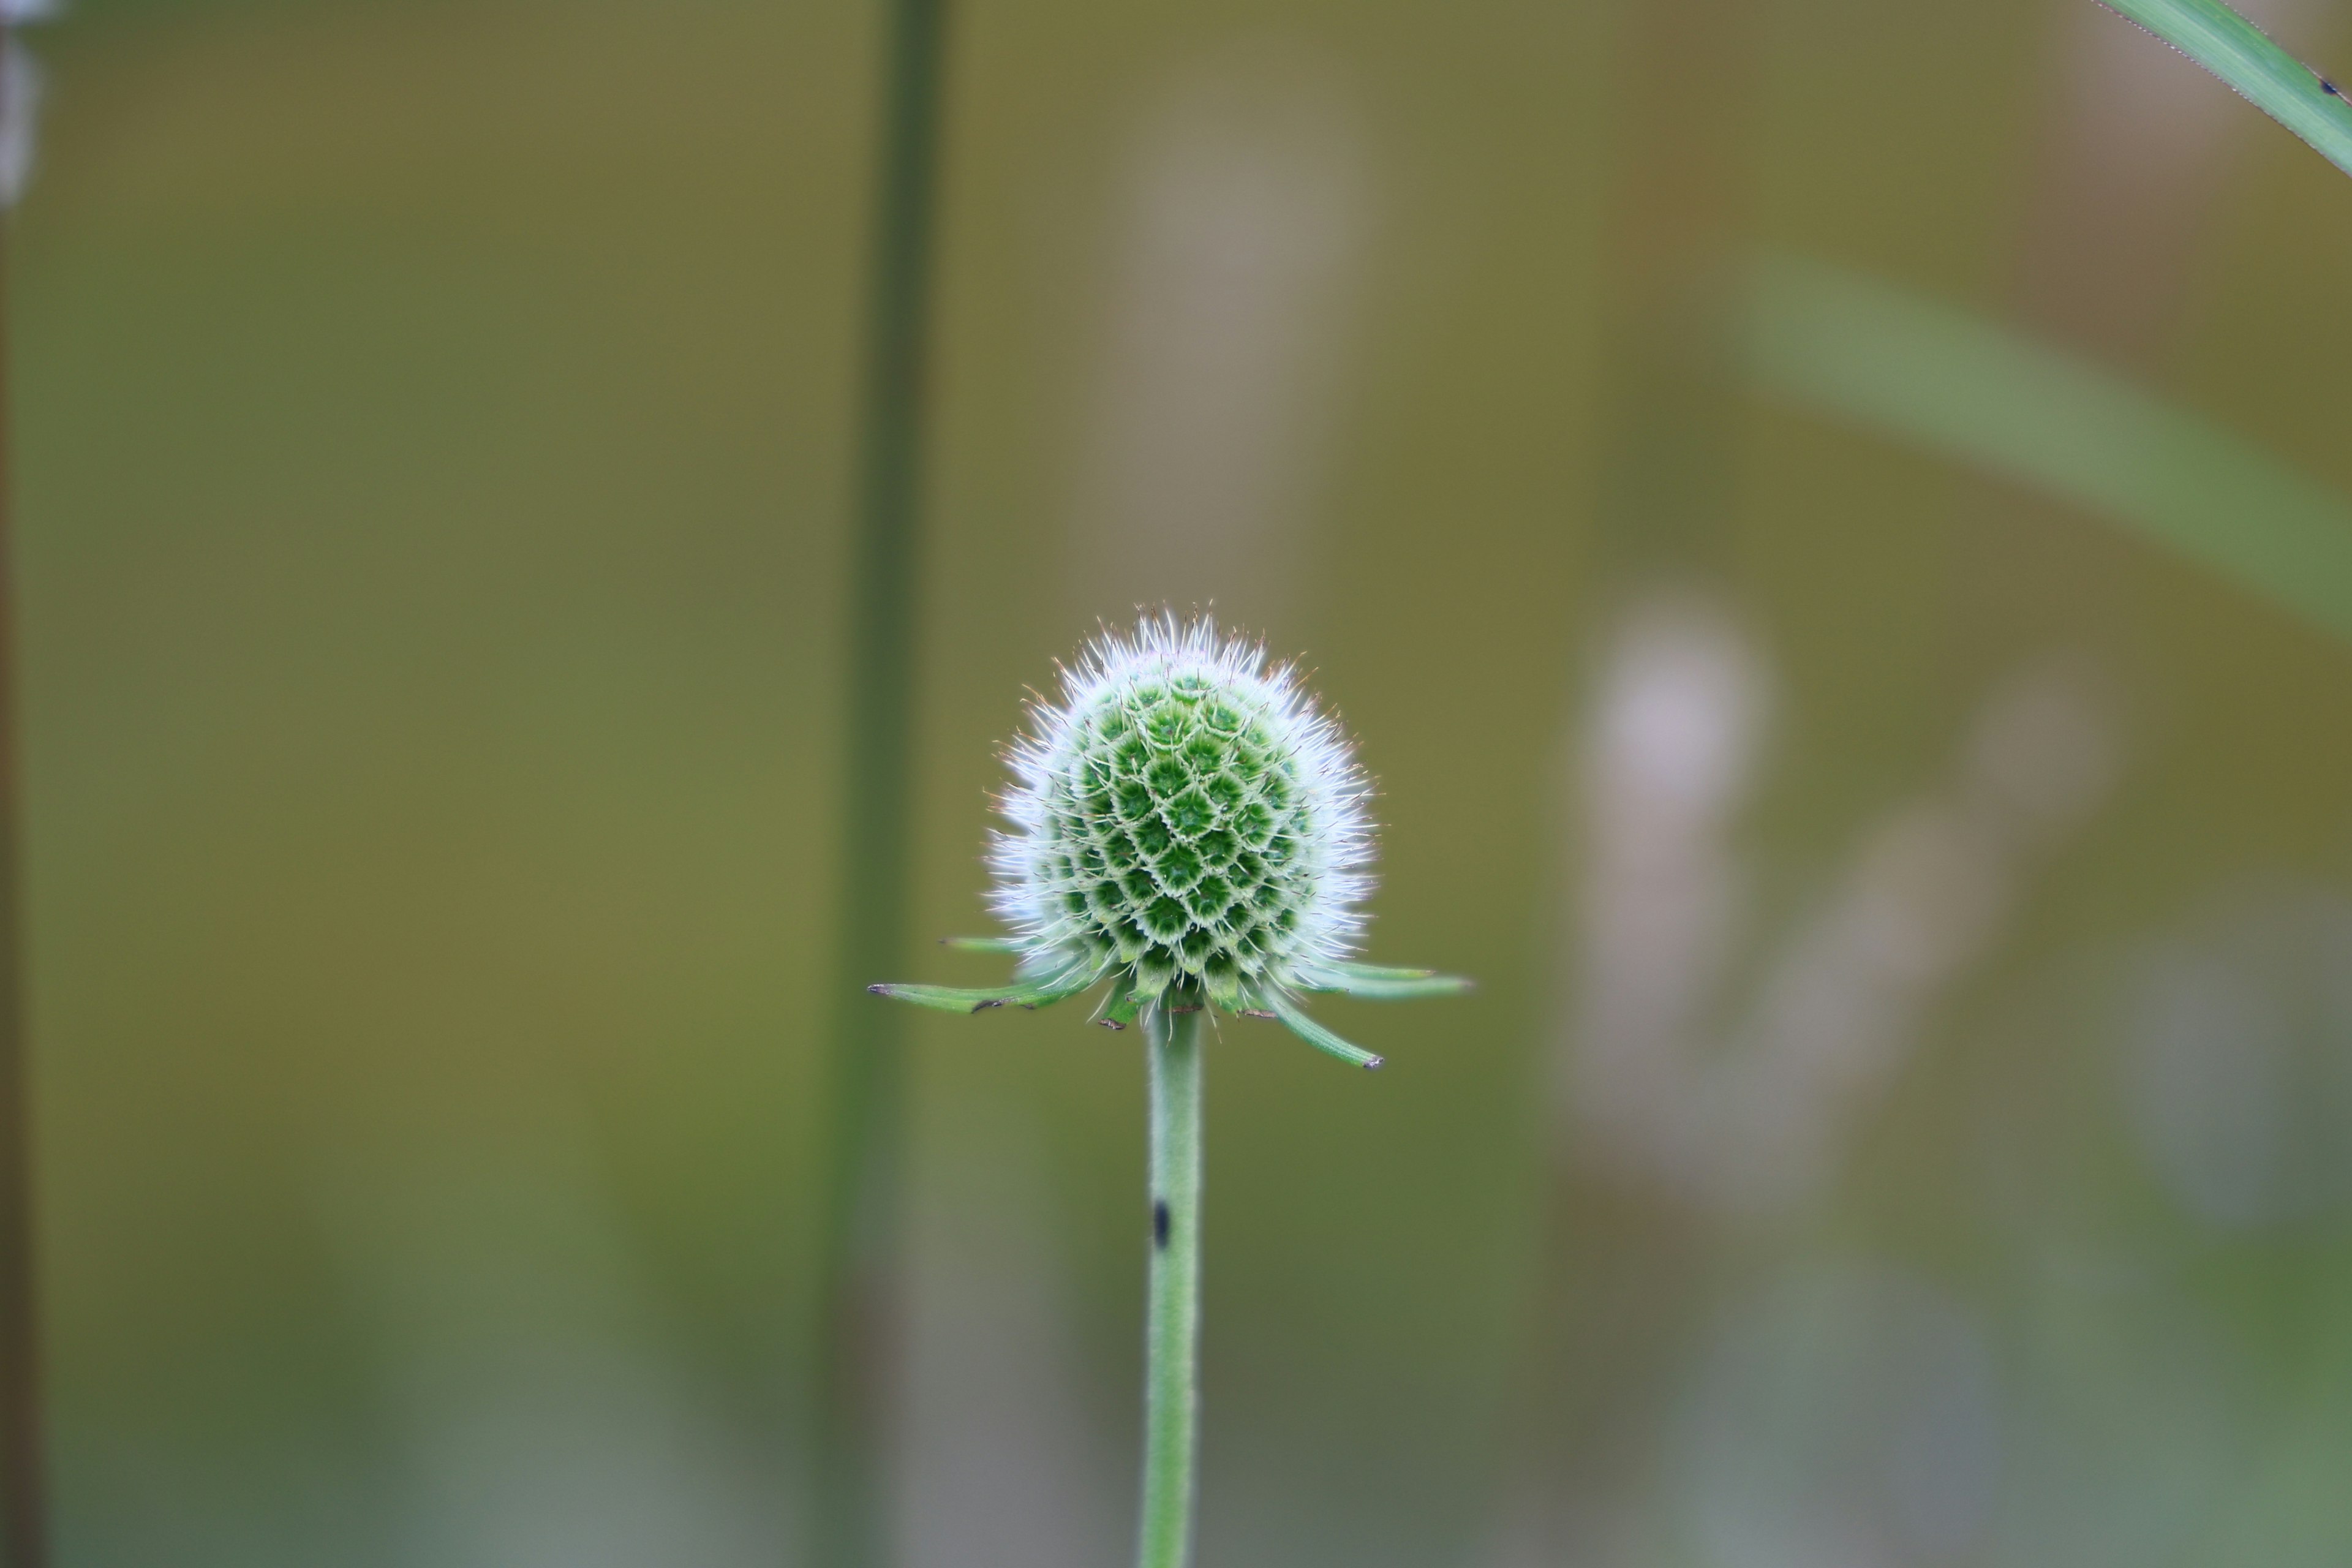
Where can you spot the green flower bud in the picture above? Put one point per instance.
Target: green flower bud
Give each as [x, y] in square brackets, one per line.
[1188, 823]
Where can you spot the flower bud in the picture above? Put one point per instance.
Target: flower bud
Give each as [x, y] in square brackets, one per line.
[1187, 824]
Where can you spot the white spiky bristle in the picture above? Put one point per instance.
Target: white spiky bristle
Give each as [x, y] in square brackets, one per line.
[1187, 815]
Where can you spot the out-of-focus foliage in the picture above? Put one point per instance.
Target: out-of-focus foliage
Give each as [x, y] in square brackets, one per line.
[1957, 384]
[1899, 1120]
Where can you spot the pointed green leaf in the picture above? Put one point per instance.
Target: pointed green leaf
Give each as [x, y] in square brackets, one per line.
[1377, 983]
[982, 944]
[1125, 1003]
[1403, 990]
[1321, 1038]
[1377, 971]
[974, 999]
[954, 998]
[946, 998]
[2260, 72]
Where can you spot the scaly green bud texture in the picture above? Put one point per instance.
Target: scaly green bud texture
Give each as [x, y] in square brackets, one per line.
[1187, 825]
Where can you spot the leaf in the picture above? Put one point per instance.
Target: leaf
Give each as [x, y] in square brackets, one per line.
[1962, 387]
[1377, 971]
[1321, 1038]
[974, 999]
[1378, 983]
[2260, 72]
[983, 944]
[1121, 1013]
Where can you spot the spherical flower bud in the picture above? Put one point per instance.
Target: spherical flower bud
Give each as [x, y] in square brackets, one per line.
[1186, 815]
[1186, 823]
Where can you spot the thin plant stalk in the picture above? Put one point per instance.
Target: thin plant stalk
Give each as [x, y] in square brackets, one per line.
[24, 1531]
[1171, 1377]
[2264, 75]
[856, 1293]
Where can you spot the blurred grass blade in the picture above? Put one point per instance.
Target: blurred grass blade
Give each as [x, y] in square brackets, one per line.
[1953, 384]
[2260, 72]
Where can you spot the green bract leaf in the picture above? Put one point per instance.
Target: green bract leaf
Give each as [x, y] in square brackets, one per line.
[974, 999]
[1125, 1003]
[1379, 982]
[1321, 1038]
[2260, 72]
[1379, 972]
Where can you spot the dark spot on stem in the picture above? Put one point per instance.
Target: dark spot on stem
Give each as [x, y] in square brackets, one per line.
[2330, 89]
[1159, 1226]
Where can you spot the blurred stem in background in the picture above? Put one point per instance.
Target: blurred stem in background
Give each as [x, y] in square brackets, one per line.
[1668, 487]
[848, 1500]
[1173, 1331]
[25, 1524]
[1672, 281]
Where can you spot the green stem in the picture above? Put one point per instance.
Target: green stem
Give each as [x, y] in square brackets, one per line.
[1172, 1374]
[856, 1291]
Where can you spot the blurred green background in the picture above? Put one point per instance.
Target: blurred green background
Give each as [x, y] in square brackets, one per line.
[1907, 1116]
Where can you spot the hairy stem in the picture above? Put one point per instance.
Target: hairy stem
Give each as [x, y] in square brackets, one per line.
[1172, 1332]
[857, 1295]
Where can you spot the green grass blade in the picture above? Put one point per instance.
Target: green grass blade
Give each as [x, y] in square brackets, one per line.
[1955, 385]
[2259, 71]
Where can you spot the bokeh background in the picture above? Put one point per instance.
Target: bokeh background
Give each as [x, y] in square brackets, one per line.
[1907, 1117]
